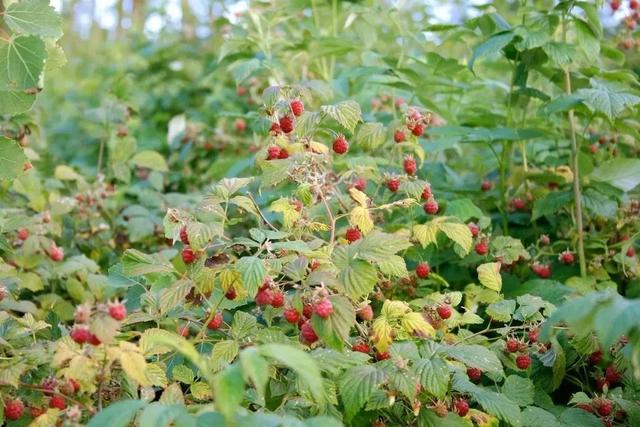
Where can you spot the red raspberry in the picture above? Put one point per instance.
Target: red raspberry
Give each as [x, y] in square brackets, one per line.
[423, 270]
[482, 247]
[241, 91]
[542, 270]
[361, 347]
[13, 409]
[444, 311]
[56, 253]
[307, 311]
[284, 154]
[353, 234]
[286, 124]
[474, 374]
[184, 236]
[49, 385]
[307, 333]
[612, 375]
[512, 345]
[188, 255]
[57, 401]
[340, 145]
[602, 140]
[117, 311]
[278, 299]
[410, 166]
[273, 152]
[74, 385]
[431, 206]
[297, 107]
[601, 383]
[291, 315]
[80, 334]
[603, 406]
[383, 355]
[27, 166]
[461, 406]
[315, 264]
[240, 125]
[566, 257]
[593, 148]
[230, 294]
[215, 322]
[633, 4]
[631, 251]
[365, 313]
[518, 203]
[533, 335]
[417, 129]
[35, 412]
[360, 184]
[393, 184]
[264, 297]
[474, 229]
[399, 136]
[324, 308]
[486, 185]
[523, 361]
[614, 4]
[595, 358]
[297, 205]
[23, 234]
[426, 192]
[94, 340]
[275, 129]
[183, 330]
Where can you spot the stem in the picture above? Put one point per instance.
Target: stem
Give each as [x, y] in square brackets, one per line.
[331, 217]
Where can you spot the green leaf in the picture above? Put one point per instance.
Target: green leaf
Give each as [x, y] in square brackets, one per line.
[489, 275]
[429, 418]
[559, 105]
[223, 353]
[14, 102]
[559, 52]
[434, 376]
[599, 204]
[356, 277]
[253, 273]
[535, 417]
[151, 160]
[12, 159]
[357, 385]
[229, 387]
[493, 44]
[593, 18]
[371, 135]
[136, 263]
[519, 390]
[34, 17]
[347, 113]
[394, 265]
[621, 173]
[609, 99]
[377, 246]
[21, 63]
[501, 310]
[494, 403]
[551, 203]
[334, 330]
[120, 414]
[183, 374]
[255, 369]
[587, 40]
[459, 233]
[464, 210]
[508, 250]
[475, 356]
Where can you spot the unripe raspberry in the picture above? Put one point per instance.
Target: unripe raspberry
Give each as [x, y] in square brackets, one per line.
[593, 148]
[307, 333]
[340, 145]
[4, 292]
[241, 91]
[399, 136]
[80, 334]
[273, 152]
[440, 409]
[474, 229]
[58, 402]
[365, 313]
[603, 406]
[631, 251]
[383, 355]
[184, 236]
[324, 308]
[56, 253]
[486, 185]
[36, 411]
[117, 311]
[474, 374]
[240, 125]
[13, 409]
[278, 299]
[512, 345]
[410, 166]
[231, 294]
[27, 166]
[215, 322]
[183, 330]
[444, 311]
[431, 206]
[544, 240]
[523, 361]
[297, 107]
[264, 297]
[417, 129]
[595, 357]
[291, 315]
[188, 255]
[297, 205]
[361, 348]
[482, 247]
[49, 385]
[74, 384]
[426, 192]
[393, 184]
[23, 234]
[94, 340]
[533, 335]
[566, 257]
[461, 406]
[286, 124]
[423, 270]
[353, 234]
[360, 184]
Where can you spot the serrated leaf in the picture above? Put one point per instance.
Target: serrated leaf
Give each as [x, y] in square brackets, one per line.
[12, 159]
[382, 333]
[356, 277]
[493, 44]
[501, 310]
[334, 330]
[255, 369]
[151, 160]
[357, 385]
[551, 203]
[371, 135]
[489, 275]
[607, 98]
[587, 40]
[494, 403]
[120, 414]
[347, 113]
[253, 273]
[434, 376]
[393, 265]
[133, 363]
[426, 234]
[288, 210]
[459, 233]
[621, 173]
[223, 353]
[379, 246]
[508, 250]
[361, 218]
[415, 323]
[136, 263]
[183, 374]
[475, 356]
[519, 389]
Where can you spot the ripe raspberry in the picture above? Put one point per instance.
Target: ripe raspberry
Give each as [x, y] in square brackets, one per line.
[82, 313]
[566, 257]
[423, 270]
[353, 234]
[215, 322]
[240, 125]
[542, 270]
[474, 229]
[117, 311]
[80, 334]
[361, 347]
[365, 313]
[23, 234]
[340, 145]
[74, 385]
[399, 136]
[474, 374]
[286, 124]
[595, 358]
[461, 406]
[188, 255]
[297, 107]
[426, 192]
[291, 315]
[486, 185]
[603, 406]
[383, 355]
[94, 340]
[601, 383]
[57, 401]
[615, 5]
[264, 297]
[324, 308]
[184, 236]
[512, 345]
[410, 166]
[273, 152]
[393, 184]
[417, 129]
[284, 154]
[612, 375]
[360, 184]
[633, 4]
[631, 251]
[444, 311]
[307, 333]
[593, 148]
[523, 361]
[278, 299]
[13, 409]
[533, 335]
[431, 206]
[482, 247]
[35, 412]
[56, 253]
[230, 294]
[602, 140]
[275, 129]
[518, 203]
[307, 311]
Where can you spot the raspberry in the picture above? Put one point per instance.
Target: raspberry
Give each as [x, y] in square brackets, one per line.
[360, 184]
[602, 140]
[533, 335]
[566, 257]
[3, 292]
[278, 299]
[82, 313]
[297, 205]
[393, 184]
[410, 166]
[444, 311]
[486, 185]
[474, 374]
[184, 236]
[231, 294]
[57, 401]
[544, 240]
[188, 255]
[307, 333]
[423, 270]
[94, 340]
[512, 345]
[383, 355]
[426, 192]
[340, 145]
[542, 270]
[23, 234]
[27, 166]
[431, 206]
[631, 251]
[523, 361]
[603, 406]
[518, 203]
[80, 334]
[74, 384]
[273, 152]
[286, 124]
[361, 347]
[324, 308]
[474, 229]
[585, 407]
[241, 91]
[417, 129]
[461, 406]
[365, 313]
[595, 358]
[440, 409]
[482, 247]
[291, 315]
[284, 154]
[240, 125]
[56, 253]
[615, 5]
[264, 297]
[275, 129]
[593, 148]
[13, 409]
[49, 385]
[183, 330]
[215, 322]
[633, 4]
[297, 107]
[35, 412]
[399, 136]
[307, 311]
[353, 234]
[601, 383]
[612, 375]
[117, 311]
[315, 264]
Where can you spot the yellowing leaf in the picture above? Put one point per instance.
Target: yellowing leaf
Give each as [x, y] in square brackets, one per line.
[230, 279]
[133, 363]
[459, 233]
[359, 197]
[382, 334]
[317, 226]
[360, 217]
[394, 309]
[414, 322]
[319, 148]
[288, 210]
[489, 275]
[425, 234]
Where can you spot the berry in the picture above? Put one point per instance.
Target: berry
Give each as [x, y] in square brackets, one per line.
[340, 145]
[80, 334]
[518, 204]
[27, 166]
[241, 91]
[365, 313]
[215, 322]
[383, 355]
[614, 4]
[74, 385]
[361, 347]
[360, 184]
[56, 253]
[278, 299]
[440, 409]
[183, 330]
[486, 185]
[297, 107]
[533, 335]
[23, 234]
[426, 192]
[240, 125]
[474, 229]
[633, 4]
[542, 270]
[284, 154]
[612, 375]
[188, 255]
[3, 292]
[417, 129]
[423, 270]
[82, 313]
[291, 315]
[275, 129]
[49, 385]
[585, 407]
[13, 409]
[431, 206]
[595, 358]
[393, 184]
[286, 124]
[264, 297]
[603, 406]
[512, 345]
[474, 374]
[184, 236]
[307, 333]
[410, 166]
[324, 308]
[444, 311]
[461, 406]
[35, 412]
[117, 311]
[399, 136]
[566, 257]
[482, 247]
[353, 234]
[307, 311]
[57, 401]
[544, 240]
[593, 148]
[601, 383]
[94, 340]
[273, 152]
[523, 361]
[631, 251]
